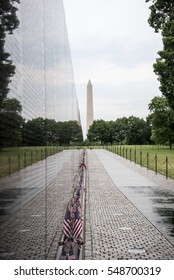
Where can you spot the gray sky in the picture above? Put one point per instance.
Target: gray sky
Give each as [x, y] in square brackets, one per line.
[112, 43]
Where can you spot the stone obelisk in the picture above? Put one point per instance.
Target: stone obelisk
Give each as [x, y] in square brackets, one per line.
[90, 116]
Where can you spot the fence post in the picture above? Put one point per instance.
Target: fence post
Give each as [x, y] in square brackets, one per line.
[130, 154]
[126, 153]
[45, 153]
[9, 165]
[156, 165]
[36, 155]
[19, 166]
[25, 159]
[141, 160]
[147, 161]
[31, 157]
[167, 168]
[135, 156]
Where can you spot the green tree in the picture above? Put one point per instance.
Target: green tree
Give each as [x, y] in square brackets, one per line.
[162, 118]
[132, 130]
[69, 132]
[51, 131]
[77, 134]
[138, 131]
[10, 123]
[99, 132]
[110, 132]
[34, 132]
[120, 130]
[8, 22]
[41, 132]
[162, 19]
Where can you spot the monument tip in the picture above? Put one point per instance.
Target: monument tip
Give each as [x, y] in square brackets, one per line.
[89, 82]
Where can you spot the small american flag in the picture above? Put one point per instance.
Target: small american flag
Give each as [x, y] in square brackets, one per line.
[77, 228]
[67, 230]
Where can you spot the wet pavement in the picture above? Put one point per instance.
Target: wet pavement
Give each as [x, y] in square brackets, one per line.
[129, 211]
[33, 204]
[20, 187]
[151, 193]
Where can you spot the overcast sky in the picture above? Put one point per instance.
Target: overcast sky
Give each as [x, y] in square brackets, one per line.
[112, 43]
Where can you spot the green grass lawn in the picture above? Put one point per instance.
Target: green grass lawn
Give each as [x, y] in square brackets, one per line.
[15, 159]
[157, 158]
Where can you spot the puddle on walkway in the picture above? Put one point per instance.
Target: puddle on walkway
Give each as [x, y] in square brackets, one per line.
[167, 219]
[156, 204]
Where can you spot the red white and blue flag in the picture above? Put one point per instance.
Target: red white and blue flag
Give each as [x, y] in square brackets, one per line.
[77, 228]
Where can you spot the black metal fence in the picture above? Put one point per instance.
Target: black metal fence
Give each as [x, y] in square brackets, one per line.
[19, 158]
[158, 163]
[12, 160]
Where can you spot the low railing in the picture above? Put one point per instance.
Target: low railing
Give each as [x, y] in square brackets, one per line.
[12, 160]
[158, 163]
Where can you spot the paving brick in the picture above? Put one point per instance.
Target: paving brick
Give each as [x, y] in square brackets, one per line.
[118, 229]
[114, 227]
[44, 230]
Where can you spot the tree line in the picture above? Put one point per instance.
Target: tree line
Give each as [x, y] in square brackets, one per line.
[9, 107]
[41, 132]
[14, 130]
[158, 127]
[124, 130]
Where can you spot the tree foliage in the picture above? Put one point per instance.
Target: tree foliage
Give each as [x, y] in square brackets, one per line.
[162, 19]
[161, 13]
[162, 119]
[10, 123]
[69, 132]
[98, 132]
[41, 132]
[33, 132]
[8, 22]
[132, 130]
[138, 131]
[10, 109]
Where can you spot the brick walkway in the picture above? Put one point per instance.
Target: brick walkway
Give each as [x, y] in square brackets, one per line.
[115, 228]
[34, 231]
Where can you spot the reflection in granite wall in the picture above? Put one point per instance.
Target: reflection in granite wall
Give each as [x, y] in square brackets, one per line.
[44, 82]
[33, 199]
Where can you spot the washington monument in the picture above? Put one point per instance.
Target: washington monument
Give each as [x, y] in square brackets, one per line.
[90, 116]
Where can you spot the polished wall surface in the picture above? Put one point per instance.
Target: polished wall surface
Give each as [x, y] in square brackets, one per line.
[37, 186]
[39, 48]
